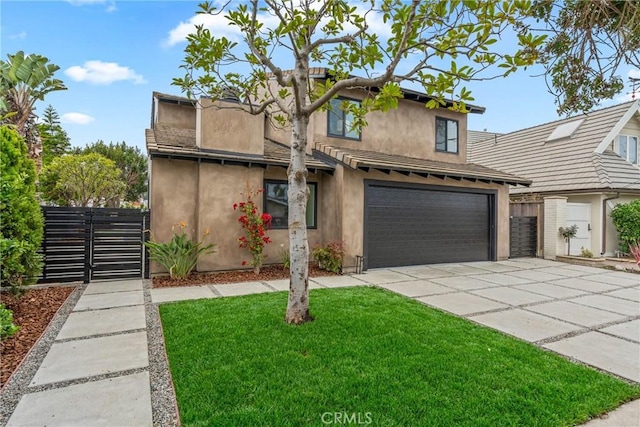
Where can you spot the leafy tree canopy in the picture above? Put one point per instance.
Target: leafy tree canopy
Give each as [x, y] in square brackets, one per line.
[588, 43]
[55, 141]
[131, 162]
[25, 79]
[82, 180]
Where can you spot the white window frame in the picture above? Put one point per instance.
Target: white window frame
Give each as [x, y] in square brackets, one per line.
[628, 141]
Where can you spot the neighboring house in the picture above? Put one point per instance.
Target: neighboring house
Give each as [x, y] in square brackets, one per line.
[400, 192]
[590, 159]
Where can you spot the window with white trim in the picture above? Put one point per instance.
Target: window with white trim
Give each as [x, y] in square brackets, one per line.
[627, 147]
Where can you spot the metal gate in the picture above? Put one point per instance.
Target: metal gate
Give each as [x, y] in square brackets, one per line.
[523, 236]
[94, 243]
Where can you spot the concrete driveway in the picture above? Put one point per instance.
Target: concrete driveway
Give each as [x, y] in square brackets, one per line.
[588, 314]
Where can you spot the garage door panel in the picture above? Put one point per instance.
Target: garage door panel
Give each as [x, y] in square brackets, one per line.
[408, 226]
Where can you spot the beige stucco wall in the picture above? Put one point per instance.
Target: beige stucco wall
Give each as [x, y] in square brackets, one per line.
[203, 195]
[228, 126]
[176, 115]
[408, 130]
[173, 198]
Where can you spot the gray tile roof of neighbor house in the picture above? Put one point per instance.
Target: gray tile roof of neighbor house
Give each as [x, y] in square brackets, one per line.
[580, 159]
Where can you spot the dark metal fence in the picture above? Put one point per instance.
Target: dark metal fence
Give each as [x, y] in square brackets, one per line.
[94, 243]
[523, 236]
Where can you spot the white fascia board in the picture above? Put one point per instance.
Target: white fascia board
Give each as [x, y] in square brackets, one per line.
[615, 131]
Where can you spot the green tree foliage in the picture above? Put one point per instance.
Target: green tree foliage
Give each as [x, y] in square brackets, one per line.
[437, 44]
[55, 141]
[21, 220]
[589, 41]
[131, 162]
[25, 79]
[7, 328]
[82, 180]
[626, 219]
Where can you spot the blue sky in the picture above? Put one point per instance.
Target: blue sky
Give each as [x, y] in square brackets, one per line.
[114, 54]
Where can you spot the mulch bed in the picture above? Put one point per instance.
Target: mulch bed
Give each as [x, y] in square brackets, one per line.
[268, 272]
[32, 312]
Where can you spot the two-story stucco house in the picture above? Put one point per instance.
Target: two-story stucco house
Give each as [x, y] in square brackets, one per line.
[400, 192]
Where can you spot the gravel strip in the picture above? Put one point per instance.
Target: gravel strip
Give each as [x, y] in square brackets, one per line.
[163, 399]
[17, 385]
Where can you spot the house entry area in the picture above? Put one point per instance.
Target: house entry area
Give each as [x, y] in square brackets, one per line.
[407, 224]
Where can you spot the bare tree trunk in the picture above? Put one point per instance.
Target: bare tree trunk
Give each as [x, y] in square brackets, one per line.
[298, 306]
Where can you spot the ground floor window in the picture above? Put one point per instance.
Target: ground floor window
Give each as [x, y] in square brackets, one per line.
[276, 203]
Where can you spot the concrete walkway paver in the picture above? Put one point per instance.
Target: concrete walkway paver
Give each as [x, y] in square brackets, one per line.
[628, 415]
[99, 322]
[181, 293]
[523, 324]
[109, 300]
[618, 355]
[97, 370]
[120, 401]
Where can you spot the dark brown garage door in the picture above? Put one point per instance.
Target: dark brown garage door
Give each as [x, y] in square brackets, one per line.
[410, 225]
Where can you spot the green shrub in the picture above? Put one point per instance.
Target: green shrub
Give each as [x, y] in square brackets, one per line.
[330, 257]
[7, 328]
[20, 215]
[586, 253]
[285, 257]
[568, 233]
[626, 219]
[181, 254]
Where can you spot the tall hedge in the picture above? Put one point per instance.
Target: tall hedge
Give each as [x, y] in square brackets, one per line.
[21, 220]
[626, 218]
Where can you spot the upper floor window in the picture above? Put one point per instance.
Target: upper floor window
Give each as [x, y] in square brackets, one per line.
[340, 122]
[446, 135]
[626, 146]
[276, 203]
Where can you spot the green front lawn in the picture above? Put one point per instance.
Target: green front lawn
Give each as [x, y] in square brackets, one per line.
[370, 356]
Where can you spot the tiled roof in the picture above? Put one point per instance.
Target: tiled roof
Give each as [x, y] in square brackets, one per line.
[568, 164]
[180, 144]
[367, 160]
[474, 136]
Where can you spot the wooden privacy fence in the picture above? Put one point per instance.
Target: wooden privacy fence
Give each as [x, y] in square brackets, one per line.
[526, 222]
[94, 243]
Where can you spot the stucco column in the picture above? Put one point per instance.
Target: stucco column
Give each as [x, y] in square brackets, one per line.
[555, 216]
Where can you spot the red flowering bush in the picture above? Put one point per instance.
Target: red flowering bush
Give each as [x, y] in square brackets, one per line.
[256, 225]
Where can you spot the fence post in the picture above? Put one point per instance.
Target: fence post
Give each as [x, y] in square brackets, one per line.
[146, 227]
[87, 245]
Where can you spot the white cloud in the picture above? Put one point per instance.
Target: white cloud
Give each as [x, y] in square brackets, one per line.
[76, 118]
[217, 24]
[111, 4]
[20, 36]
[631, 95]
[105, 73]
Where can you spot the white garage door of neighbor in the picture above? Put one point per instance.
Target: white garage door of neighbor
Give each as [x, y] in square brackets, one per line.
[580, 215]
